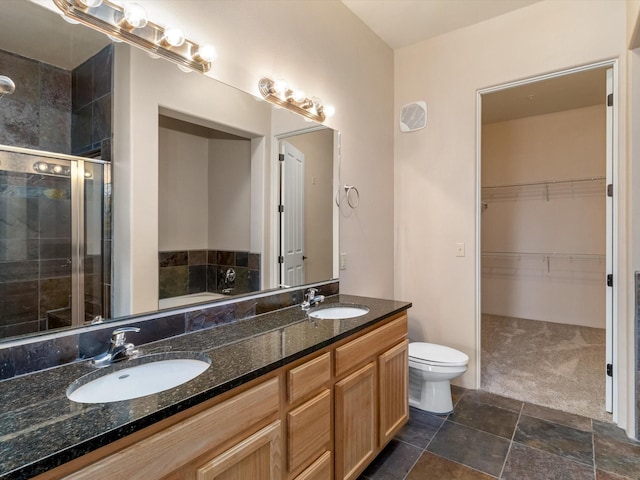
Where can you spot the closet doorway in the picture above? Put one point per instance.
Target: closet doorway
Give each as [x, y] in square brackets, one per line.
[545, 235]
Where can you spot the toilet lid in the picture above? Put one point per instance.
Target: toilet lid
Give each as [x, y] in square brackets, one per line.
[436, 354]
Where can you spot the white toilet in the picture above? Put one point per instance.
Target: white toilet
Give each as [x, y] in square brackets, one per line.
[431, 367]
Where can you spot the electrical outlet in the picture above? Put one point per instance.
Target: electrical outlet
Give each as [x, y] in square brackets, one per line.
[460, 249]
[343, 261]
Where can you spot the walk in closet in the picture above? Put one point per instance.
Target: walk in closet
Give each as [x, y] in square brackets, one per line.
[543, 241]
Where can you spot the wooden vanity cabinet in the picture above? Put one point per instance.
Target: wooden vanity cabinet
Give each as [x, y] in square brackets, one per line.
[324, 416]
[371, 403]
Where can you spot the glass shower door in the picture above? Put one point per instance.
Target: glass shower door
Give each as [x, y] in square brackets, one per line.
[52, 260]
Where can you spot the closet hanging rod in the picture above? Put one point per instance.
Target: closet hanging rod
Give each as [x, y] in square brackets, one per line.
[547, 182]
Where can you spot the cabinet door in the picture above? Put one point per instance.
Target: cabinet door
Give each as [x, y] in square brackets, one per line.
[355, 422]
[309, 431]
[258, 456]
[393, 383]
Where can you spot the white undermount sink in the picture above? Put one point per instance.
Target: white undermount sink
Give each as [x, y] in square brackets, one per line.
[146, 376]
[338, 312]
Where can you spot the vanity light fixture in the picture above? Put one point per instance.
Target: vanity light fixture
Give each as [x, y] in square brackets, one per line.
[129, 23]
[279, 93]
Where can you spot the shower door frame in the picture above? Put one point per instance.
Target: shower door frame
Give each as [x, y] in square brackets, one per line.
[77, 176]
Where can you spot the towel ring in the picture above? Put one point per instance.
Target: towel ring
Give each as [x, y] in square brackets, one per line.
[352, 203]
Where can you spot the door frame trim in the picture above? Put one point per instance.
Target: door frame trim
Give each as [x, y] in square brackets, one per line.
[611, 63]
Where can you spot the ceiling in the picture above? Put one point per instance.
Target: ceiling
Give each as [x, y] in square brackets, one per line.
[405, 22]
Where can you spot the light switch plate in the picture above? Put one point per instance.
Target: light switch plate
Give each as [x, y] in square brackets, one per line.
[460, 249]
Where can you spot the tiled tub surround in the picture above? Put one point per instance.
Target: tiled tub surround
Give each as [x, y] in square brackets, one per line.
[41, 428]
[74, 345]
[195, 271]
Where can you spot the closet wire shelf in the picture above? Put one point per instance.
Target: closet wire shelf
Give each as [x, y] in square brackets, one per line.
[546, 257]
[544, 187]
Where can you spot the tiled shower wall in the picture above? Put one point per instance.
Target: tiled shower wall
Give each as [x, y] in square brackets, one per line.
[38, 114]
[66, 112]
[196, 271]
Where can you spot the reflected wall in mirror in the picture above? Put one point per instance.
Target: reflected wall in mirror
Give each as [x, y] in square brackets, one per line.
[147, 99]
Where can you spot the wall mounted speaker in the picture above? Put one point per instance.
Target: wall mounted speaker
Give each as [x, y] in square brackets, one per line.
[413, 116]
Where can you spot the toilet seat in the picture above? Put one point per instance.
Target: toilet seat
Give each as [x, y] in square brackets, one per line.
[436, 355]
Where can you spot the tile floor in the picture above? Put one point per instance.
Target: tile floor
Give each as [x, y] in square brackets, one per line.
[488, 436]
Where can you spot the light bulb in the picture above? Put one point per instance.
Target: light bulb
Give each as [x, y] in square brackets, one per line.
[135, 15]
[114, 39]
[329, 111]
[58, 169]
[297, 95]
[41, 167]
[280, 87]
[88, 3]
[173, 36]
[205, 54]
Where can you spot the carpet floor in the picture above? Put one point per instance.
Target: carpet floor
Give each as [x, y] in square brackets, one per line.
[550, 364]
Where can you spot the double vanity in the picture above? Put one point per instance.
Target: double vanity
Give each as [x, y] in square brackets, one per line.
[289, 394]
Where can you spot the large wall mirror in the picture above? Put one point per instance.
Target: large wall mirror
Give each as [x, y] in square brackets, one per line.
[209, 192]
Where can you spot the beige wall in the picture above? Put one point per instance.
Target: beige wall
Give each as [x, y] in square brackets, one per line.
[182, 191]
[558, 146]
[323, 48]
[318, 202]
[229, 195]
[435, 168]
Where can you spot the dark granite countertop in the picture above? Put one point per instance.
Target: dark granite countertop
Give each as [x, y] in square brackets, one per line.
[40, 428]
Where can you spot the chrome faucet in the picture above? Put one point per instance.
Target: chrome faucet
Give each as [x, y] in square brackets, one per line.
[311, 299]
[118, 350]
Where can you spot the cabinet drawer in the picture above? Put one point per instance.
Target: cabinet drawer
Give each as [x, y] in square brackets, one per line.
[166, 451]
[309, 431]
[359, 351]
[319, 470]
[309, 377]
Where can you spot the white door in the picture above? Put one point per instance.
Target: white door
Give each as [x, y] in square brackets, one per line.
[610, 379]
[291, 215]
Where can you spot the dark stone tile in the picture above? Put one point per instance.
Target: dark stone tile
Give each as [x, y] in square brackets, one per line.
[54, 294]
[157, 329]
[225, 258]
[612, 431]
[81, 128]
[600, 475]
[25, 73]
[224, 275]
[18, 249]
[212, 257]
[564, 441]
[435, 467]
[19, 123]
[55, 214]
[107, 248]
[617, 457]
[82, 85]
[18, 302]
[173, 259]
[394, 462]
[197, 278]
[55, 268]
[254, 261]
[174, 281]
[197, 257]
[420, 428]
[105, 150]
[55, 248]
[102, 72]
[482, 416]
[218, 315]
[55, 87]
[24, 328]
[532, 464]
[453, 441]
[37, 356]
[18, 271]
[101, 120]
[557, 416]
[496, 400]
[242, 259]
[253, 281]
[241, 283]
[456, 393]
[55, 130]
[212, 278]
